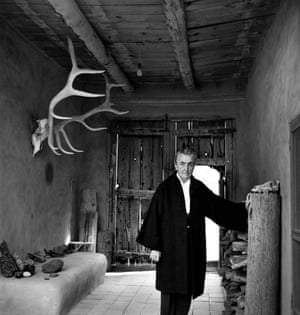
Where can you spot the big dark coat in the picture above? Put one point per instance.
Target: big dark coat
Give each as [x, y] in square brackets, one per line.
[180, 237]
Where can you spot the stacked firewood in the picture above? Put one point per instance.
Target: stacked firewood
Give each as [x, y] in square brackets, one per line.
[234, 271]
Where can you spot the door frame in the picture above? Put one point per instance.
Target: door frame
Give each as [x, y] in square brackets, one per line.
[295, 232]
[169, 133]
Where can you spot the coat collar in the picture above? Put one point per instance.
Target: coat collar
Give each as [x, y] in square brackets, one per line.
[175, 181]
[193, 185]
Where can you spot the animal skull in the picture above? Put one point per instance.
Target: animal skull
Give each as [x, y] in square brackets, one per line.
[39, 135]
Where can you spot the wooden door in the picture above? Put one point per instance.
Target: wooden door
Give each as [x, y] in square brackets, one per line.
[295, 171]
[140, 165]
[143, 156]
[214, 143]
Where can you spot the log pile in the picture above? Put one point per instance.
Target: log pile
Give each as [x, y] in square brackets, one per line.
[250, 263]
[234, 271]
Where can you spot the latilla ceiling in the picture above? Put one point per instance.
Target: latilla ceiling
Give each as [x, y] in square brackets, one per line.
[189, 42]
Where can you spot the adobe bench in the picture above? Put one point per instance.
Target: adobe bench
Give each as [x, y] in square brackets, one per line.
[82, 272]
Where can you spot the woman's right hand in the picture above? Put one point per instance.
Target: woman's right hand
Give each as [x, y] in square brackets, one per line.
[155, 255]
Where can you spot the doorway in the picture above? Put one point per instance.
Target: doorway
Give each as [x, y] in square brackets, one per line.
[211, 178]
[142, 156]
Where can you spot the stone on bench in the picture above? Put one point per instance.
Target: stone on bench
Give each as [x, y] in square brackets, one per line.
[82, 272]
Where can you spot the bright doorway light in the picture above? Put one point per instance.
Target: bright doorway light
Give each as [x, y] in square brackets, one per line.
[210, 177]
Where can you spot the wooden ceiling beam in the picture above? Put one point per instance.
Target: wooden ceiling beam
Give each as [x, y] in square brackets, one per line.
[36, 19]
[175, 16]
[75, 19]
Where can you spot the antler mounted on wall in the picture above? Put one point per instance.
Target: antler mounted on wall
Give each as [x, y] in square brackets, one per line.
[56, 130]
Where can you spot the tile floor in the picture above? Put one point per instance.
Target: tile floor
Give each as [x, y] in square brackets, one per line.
[133, 293]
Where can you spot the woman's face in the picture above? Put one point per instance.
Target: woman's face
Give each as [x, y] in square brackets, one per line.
[184, 166]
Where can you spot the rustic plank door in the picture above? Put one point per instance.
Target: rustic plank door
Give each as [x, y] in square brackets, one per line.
[295, 171]
[214, 143]
[143, 157]
[139, 170]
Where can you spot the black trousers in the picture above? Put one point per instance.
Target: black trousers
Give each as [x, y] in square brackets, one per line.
[175, 304]
[179, 304]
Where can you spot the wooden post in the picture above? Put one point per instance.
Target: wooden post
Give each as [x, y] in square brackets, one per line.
[263, 270]
[88, 219]
[105, 246]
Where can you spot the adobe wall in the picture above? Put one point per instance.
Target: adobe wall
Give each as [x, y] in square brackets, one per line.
[35, 213]
[273, 100]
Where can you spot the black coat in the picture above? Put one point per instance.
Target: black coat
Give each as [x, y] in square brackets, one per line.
[167, 228]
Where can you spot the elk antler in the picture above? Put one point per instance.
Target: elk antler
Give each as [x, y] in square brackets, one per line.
[68, 90]
[106, 106]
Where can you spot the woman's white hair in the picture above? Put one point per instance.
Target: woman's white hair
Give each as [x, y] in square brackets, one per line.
[186, 151]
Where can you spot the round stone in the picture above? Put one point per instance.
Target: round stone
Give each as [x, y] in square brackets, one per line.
[53, 266]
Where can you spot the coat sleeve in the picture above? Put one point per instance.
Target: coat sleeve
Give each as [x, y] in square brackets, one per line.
[226, 213]
[150, 232]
